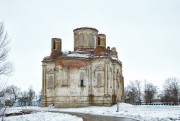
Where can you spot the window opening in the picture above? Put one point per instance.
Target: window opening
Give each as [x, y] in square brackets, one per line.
[98, 40]
[82, 83]
[81, 79]
[54, 45]
[98, 79]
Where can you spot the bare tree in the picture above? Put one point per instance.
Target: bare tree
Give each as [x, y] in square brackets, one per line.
[138, 87]
[23, 99]
[26, 97]
[171, 90]
[12, 93]
[6, 67]
[129, 95]
[149, 92]
[132, 92]
[31, 95]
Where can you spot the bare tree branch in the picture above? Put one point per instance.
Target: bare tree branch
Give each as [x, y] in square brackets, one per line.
[149, 92]
[12, 93]
[132, 92]
[6, 67]
[171, 90]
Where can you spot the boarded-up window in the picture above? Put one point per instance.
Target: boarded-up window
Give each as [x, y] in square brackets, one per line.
[64, 76]
[50, 81]
[118, 78]
[110, 77]
[92, 40]
[86, 40]
[81, 40]
[99, 80]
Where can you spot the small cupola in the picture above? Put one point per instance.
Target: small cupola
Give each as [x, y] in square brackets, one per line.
[101, 40]
[55, 47]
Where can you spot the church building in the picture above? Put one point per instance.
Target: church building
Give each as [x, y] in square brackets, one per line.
[91, 75]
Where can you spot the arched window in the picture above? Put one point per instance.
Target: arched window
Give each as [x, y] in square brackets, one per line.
[81, 79]
[98, 80]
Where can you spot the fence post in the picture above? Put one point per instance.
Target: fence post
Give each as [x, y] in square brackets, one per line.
[117, 107]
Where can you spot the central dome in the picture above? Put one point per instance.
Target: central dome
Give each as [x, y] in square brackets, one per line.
[85, 38]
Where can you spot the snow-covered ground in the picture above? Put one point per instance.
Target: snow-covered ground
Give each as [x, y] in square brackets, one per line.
[139, 112]
[44, 116]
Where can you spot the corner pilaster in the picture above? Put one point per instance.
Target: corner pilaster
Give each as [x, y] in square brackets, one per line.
[44, 100]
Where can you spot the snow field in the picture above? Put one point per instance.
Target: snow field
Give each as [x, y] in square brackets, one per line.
[43, 116]
[139, 112]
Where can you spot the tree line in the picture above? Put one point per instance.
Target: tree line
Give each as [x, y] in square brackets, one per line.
[12, 94]
[136, 93]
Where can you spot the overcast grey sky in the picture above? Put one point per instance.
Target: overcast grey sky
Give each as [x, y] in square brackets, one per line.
[146, 34]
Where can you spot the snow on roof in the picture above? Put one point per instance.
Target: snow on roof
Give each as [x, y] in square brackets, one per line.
[89, 55]
[115, 58]
[79, 55]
